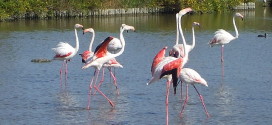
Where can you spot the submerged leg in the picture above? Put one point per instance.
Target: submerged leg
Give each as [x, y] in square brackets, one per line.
[181, 89]
[202, 101]
[60, 71]
[66, 71]
[185, 101]
[222, 61]
[97, 89]
[166, 100]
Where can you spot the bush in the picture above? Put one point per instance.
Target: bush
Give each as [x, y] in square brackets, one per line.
[18, 8]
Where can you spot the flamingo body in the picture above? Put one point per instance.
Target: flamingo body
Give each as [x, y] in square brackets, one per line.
[221, 37]
[190, 76]
[64, 51]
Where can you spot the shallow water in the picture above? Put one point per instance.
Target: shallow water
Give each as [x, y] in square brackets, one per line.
[30, 93]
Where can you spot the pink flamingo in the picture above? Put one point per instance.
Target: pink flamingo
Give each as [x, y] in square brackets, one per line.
[166, 67]
[223, 37]
[102, 56]
[169, 67]
[64, 51]
[190, 76]
[113, 46]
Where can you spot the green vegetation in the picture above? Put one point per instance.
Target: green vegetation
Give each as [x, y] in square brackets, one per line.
[13, 9]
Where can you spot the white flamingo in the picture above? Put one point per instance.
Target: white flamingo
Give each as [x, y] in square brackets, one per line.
[190, 76]
[223, 37]
[64, 52]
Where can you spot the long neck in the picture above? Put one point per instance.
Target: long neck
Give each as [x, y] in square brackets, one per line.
[193, 33]
[234, 24]
[77, 43]
[91, 43]
[177, 23]
[183, 39]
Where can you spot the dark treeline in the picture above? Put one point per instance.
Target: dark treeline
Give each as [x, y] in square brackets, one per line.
[14, 9]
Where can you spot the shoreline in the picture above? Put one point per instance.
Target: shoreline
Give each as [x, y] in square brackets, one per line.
[105, 12]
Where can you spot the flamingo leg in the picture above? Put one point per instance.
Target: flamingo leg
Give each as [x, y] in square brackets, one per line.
[166, 100]
[102, 79]
[185, 101]
[222, 61]
[90, 88]
[66, 70]
[97, 89]
[60, 71]
[114, 80]
[202, 101]
[181, 89]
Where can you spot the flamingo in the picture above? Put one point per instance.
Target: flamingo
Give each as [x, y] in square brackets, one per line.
[102, 56]
[190, 76]
[112, 63]
[223, 37]
[64, 52]
[169, 67]
[165, 67]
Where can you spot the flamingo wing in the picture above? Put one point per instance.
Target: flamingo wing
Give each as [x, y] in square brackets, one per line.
[101, 49]
[157, 59]
[114, 45]
[173, 68]
[63, 50]
[175, 64]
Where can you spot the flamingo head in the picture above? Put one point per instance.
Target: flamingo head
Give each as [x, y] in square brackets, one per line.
[239, 15]
[89, 30]
[174, 53]
[184, 11]
[196, 24]
[127, 27]
[79, 26]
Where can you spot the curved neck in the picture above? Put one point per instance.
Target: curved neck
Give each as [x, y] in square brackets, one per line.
[234, 24]
[183, 39]
[193, 33]
[91, 43]
[77, 43]
[177, 23]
